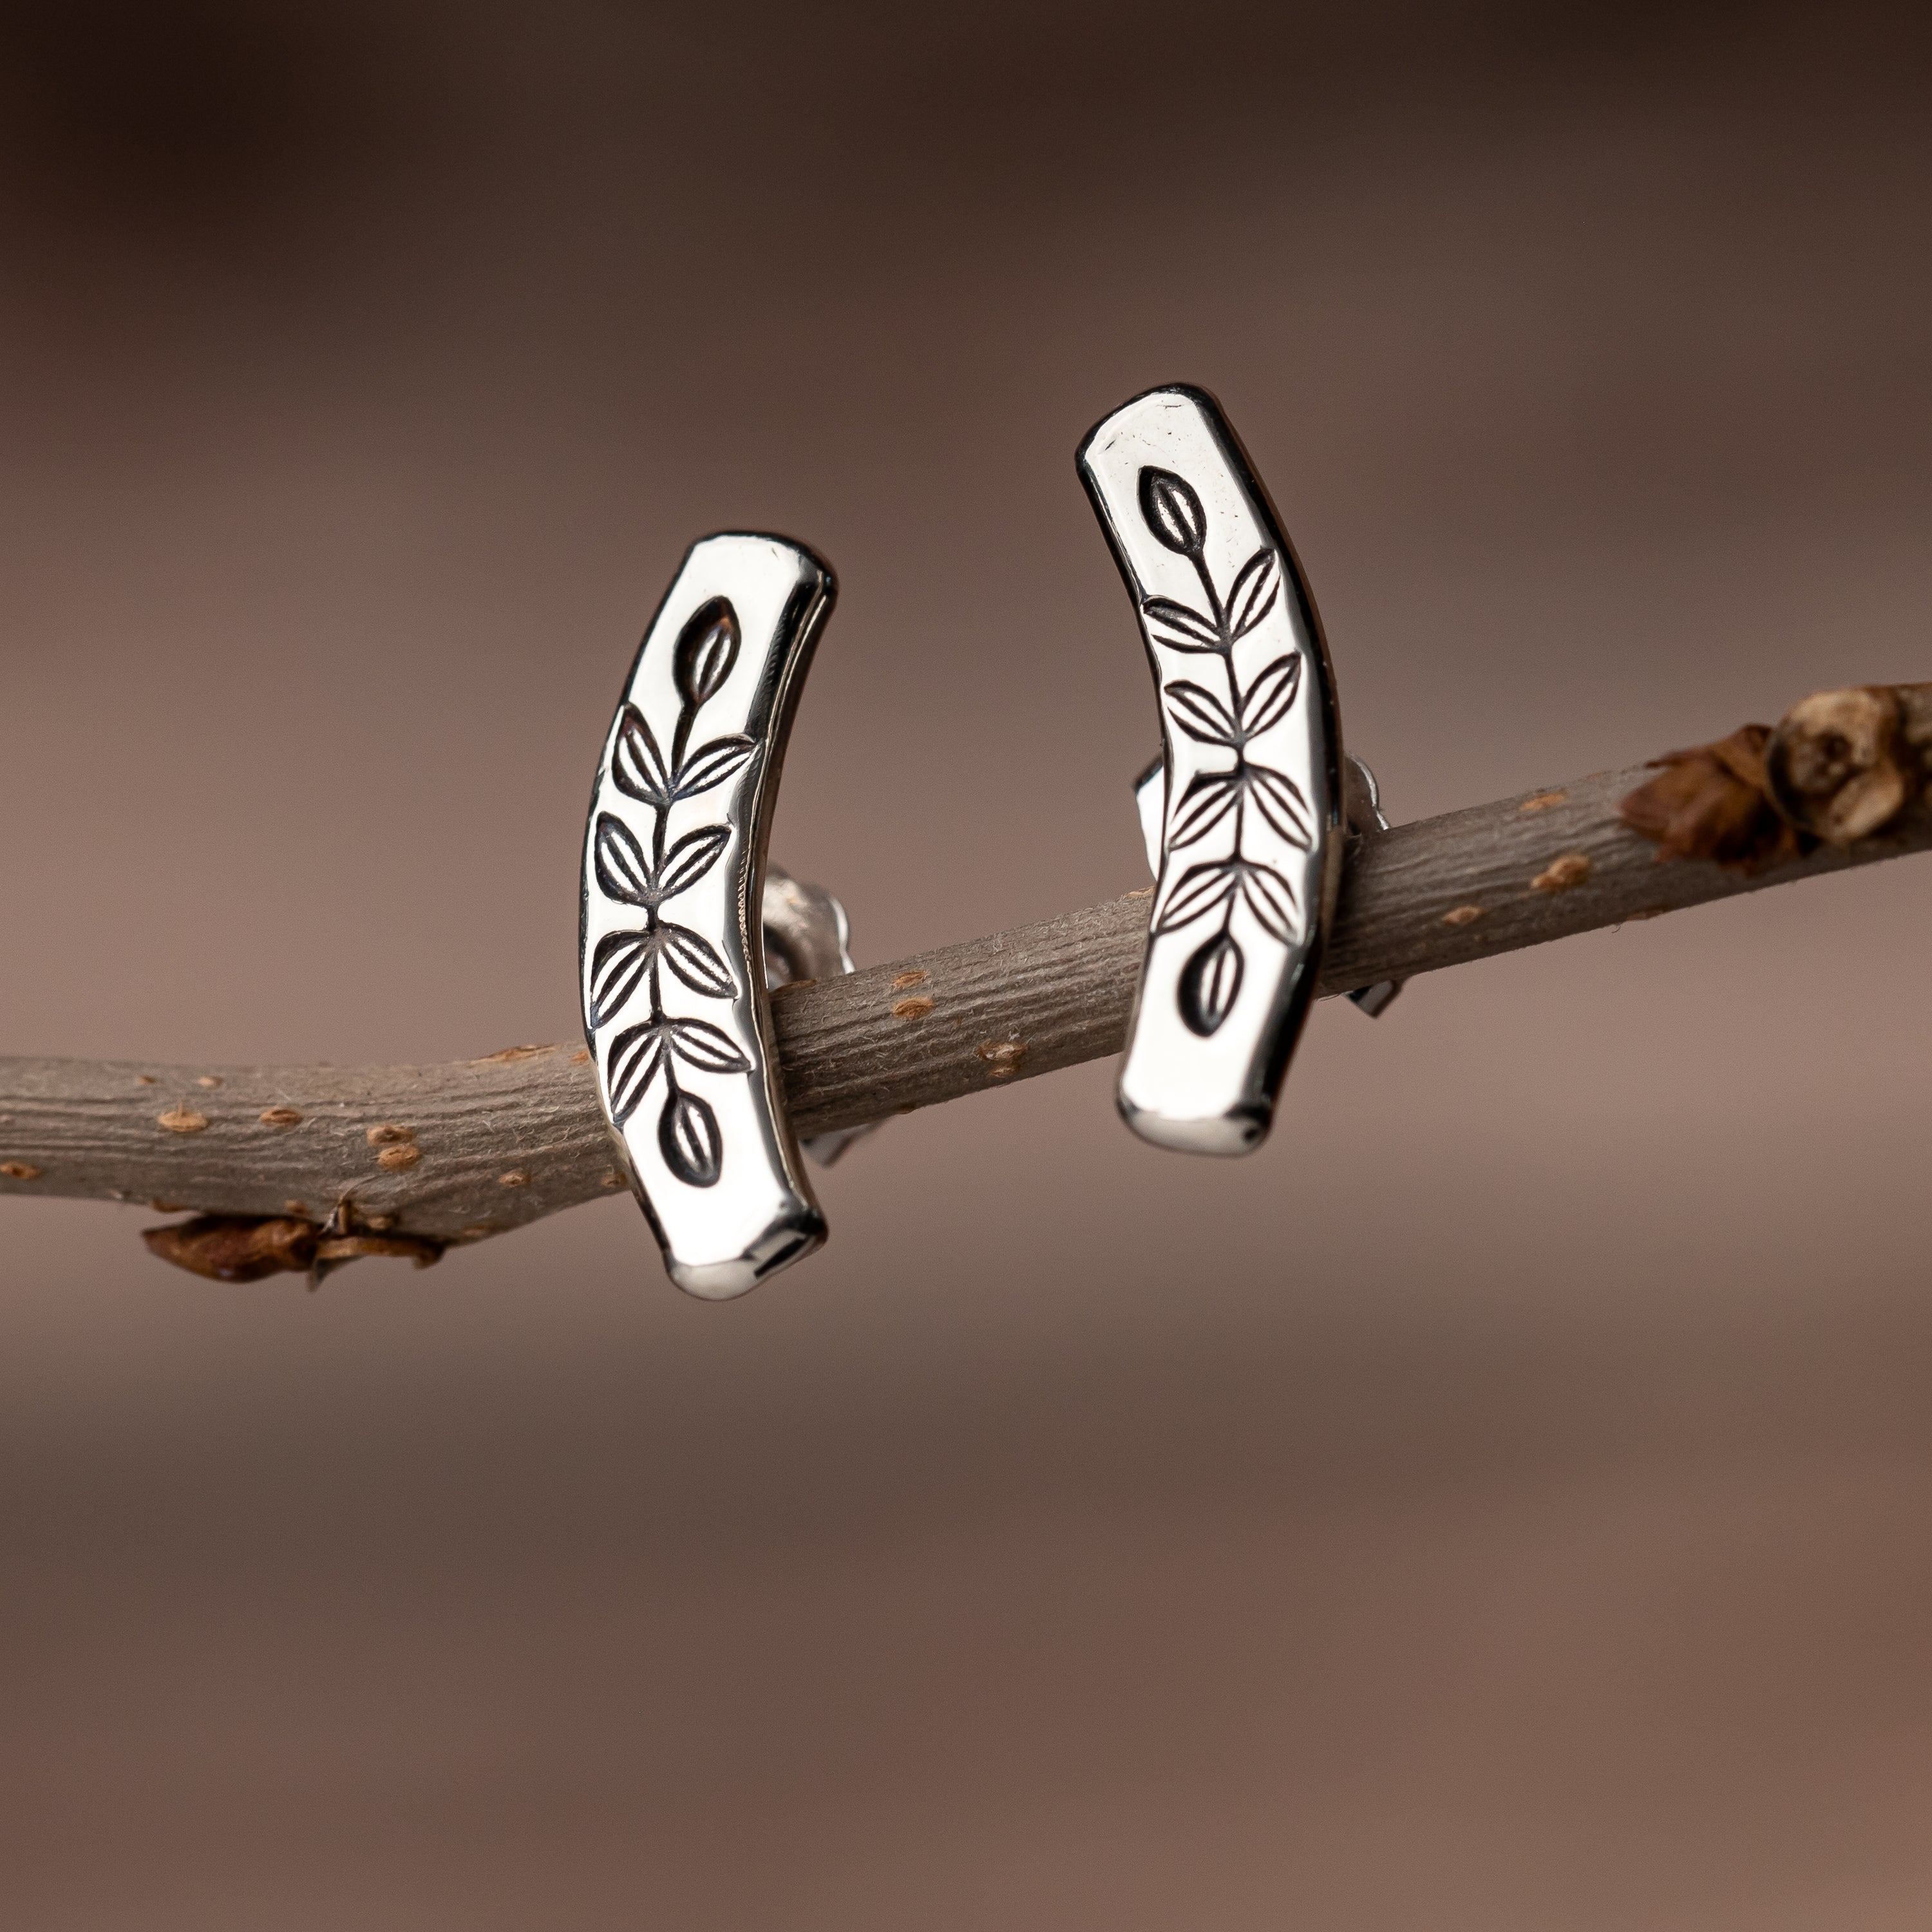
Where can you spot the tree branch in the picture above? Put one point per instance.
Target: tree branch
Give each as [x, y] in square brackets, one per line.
[462, 1150]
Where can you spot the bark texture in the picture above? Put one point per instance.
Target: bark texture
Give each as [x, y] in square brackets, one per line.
[463, 1150]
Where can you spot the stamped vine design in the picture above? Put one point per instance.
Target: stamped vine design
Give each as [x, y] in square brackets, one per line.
[1211, 982]
[687, 1131]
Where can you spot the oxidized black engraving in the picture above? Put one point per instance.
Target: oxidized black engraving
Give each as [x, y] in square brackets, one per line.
[1211, 979]
[687, 1131]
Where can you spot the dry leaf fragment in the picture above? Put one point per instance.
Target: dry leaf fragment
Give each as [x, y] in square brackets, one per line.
[338, 1249]
[1710, 802]
[249, 1247]
[235, 1247]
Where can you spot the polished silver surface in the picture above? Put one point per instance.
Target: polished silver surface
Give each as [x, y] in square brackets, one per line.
[1363, 814]
[676, 1004]
[1250, 845]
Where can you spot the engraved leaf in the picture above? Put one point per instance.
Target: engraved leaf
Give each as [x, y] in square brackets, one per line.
[1196, 632]
[623, 872]
[688, 1139]
[1208, 800]
[707, 648]
[690, 858]
[1252, 595]
[694, 959]
[637, 764]
[632, 1064]
[1279, 800]
[712, 764]
[709, 1049]
[1173, 511]
[1270, 898]
[1266, 702]
[621, 960]
[1201, 715]
[1201, 889]
[1210, 982]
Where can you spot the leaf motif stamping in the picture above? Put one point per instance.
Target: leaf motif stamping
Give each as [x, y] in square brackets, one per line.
[672, 883]
[1245, 838]
[1211, 982]
[707, 648]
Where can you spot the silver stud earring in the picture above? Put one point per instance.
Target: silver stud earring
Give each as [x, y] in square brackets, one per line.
[1244, 814]
[685, 929]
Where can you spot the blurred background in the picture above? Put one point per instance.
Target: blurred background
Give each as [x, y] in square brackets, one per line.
[1506, 1501]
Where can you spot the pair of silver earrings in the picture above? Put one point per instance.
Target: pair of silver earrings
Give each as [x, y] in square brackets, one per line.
[686, 929]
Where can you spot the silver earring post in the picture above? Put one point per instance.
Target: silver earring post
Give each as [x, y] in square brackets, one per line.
[676, 895]
[808, 937]
[1253, 799]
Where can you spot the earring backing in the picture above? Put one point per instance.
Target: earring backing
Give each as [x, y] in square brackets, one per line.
[1245, 814]
[808, 937]
[676, 899]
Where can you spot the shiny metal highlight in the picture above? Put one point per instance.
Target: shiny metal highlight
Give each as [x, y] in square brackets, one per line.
[675, 1002]
[1250, 842]
[1364, 816]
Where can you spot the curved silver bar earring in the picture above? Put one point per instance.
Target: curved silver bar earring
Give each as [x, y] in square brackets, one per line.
[1252, 801]
[1363, 801]
[676, 898]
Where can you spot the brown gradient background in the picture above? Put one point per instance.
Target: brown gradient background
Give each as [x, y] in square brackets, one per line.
[1504, 1502]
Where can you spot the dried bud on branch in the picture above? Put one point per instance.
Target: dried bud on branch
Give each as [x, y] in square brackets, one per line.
[1711, 802]
[1838, 764]
[1841, 766]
